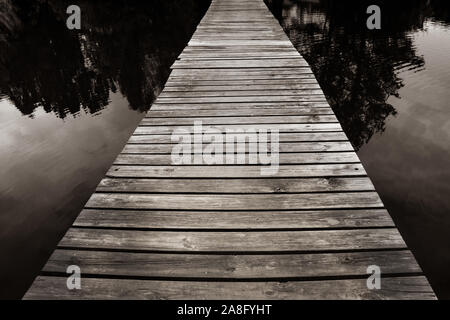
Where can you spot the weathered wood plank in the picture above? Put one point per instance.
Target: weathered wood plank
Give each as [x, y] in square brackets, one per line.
[283, 137]
[243, 112]
[248, 87]
[190, 266]
[150, 121]
[241, 93]
[411, 288]
[225, 64]
[231, 241]
[237, 171]
[309, 201]
[239, 105]
[236, 49]
[206, 186]
[242, 128]
[284, 158]
[249, 37]
[293, 70]
[234, 220]
[297, 147]
[242, 74]
[247, 76]
[257, 43]
[237, 98]
[218, 55]
[305, 80]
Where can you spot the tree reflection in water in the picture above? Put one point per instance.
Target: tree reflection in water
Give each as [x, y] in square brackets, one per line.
[357, 68]
[123, 45]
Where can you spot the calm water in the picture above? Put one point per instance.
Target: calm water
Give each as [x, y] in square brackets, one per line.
[68, 103]
[391, 91]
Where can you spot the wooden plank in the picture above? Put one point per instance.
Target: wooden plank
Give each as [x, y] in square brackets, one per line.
[231, 186]
[284, 137]
[243, 112]
[284, 158]
[237, 171]
[234, 220]
[225, 64]
[305, 80]
[238, 75]
[238, 17]
[411, 288]
[288, 266]
[231, 241]
[241, 48]
[241, 93]
[237, 30]
[249, 37]
[241, 74]
[261, 34]
[242, 128]
[247, 76]
[211, 55]
[281, 98]
[257, 43]
[249, 87]
[309, 201]
[239, 105]
[218, 55]
[297, 147]
[237, 120]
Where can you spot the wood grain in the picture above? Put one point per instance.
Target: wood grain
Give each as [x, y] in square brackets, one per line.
[408, 288]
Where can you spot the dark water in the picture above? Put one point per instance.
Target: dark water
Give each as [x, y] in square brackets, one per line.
[69, 100]
[390, 90]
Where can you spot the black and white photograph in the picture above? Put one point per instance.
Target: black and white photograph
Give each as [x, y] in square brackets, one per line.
[226, 156]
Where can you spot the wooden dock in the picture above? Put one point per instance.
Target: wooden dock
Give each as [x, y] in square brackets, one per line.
[154, 230]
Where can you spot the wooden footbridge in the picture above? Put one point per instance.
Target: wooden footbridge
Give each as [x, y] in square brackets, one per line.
[154, 230]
